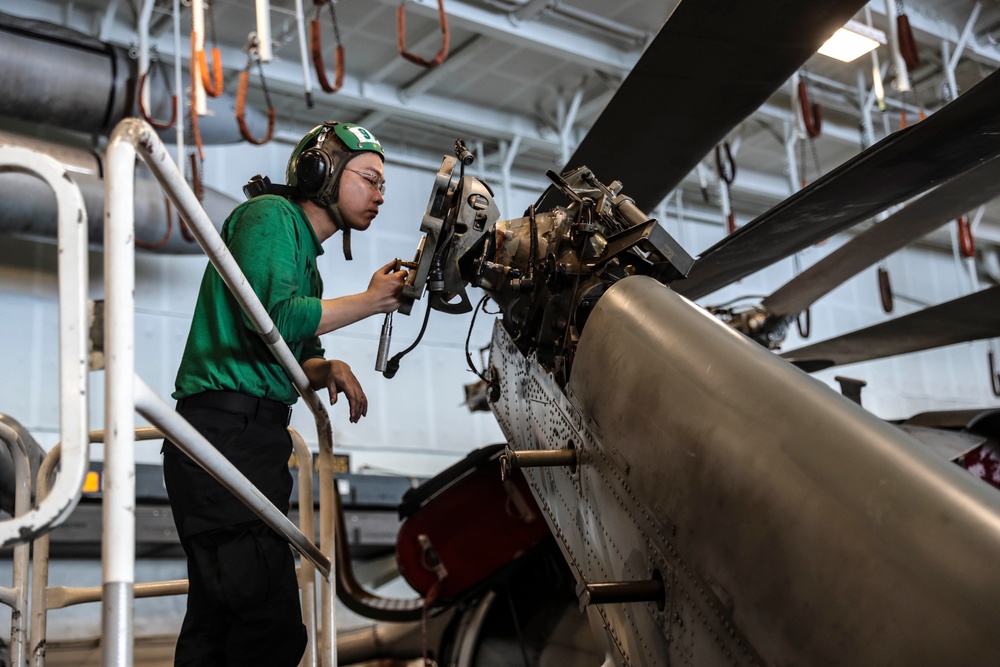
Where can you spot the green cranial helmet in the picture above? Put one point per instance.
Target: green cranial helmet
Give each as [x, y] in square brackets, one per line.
[318, 160]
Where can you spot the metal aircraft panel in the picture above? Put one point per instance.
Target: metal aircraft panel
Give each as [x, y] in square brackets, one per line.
[830, 536]
[605, 533]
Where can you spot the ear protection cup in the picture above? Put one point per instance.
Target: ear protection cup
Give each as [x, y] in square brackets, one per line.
[311, 171]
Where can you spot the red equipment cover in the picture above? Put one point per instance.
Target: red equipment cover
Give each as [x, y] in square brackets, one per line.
[470, 527]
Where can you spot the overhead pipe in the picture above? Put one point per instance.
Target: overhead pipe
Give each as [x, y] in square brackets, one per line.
[56, 76]
[30, 212]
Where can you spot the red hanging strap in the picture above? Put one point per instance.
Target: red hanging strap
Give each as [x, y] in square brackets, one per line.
[726, 169]
[966, 242]
[156, 245]
[812, 114]
[885, 289]
[241, 97]
[316, 46]
[211, 82]
[241, 103]
[150, 73]
[907, 44]
[401, 37]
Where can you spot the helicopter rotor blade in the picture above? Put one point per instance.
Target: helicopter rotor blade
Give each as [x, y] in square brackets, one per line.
[951, 141]
[947, 202]
[695, 82]
[972, 317]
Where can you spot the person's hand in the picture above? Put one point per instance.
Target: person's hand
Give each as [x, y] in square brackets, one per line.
[341, 379]
[386, 288]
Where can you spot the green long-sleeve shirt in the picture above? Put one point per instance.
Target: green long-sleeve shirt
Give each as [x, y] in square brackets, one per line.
[276, 247]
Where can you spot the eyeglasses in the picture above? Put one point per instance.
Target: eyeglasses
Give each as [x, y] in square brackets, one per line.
[374, 181]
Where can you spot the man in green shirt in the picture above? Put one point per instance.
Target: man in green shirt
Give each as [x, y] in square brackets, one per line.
[243, 604]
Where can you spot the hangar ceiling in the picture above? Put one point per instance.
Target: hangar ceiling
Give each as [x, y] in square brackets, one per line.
[527, 78]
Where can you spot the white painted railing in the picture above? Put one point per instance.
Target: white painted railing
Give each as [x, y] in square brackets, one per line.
[125, 393]
[72, 345]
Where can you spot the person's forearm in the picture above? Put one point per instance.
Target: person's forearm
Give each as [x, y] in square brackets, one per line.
[317, 372]
[343, 311]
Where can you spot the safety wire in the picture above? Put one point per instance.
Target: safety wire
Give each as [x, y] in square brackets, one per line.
[393, 365]
[468, 355]
[316, 45]
[253, 56]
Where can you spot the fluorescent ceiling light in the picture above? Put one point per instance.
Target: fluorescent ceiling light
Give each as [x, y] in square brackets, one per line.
[852, 41]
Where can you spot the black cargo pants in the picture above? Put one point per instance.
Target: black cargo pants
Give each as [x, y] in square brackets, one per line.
[243, 601]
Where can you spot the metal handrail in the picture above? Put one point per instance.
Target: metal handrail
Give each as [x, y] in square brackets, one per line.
[17, 597]
[124, 392]
[73, 282]
[45, 597]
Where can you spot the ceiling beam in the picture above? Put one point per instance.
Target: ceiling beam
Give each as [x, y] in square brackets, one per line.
[457, 59]
[932, 28]
[544, 38]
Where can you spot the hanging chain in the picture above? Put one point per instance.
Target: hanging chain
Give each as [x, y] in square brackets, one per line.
[253, 56]
[333, 19]
[156, 64]
[210, 13]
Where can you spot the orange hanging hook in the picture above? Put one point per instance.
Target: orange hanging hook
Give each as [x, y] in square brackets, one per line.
[966, 242]
[158, 124]
[316, 46]
[726, 169]
[812, 114]
[195, 131]
[401, 37]
[156, 245]
[241, 99]
[907, 44]
[885, 289]
[211, 82]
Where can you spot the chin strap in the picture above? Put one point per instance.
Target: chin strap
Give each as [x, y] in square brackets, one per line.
[338, 220]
